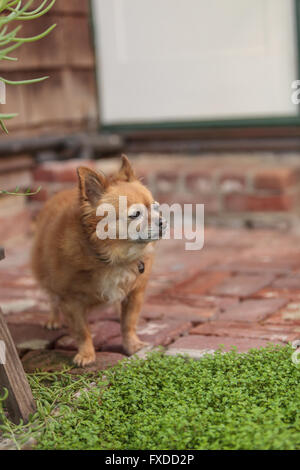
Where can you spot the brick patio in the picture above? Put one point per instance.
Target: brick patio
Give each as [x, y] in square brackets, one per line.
[242, 289]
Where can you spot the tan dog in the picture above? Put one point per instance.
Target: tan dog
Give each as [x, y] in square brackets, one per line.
[78, 270]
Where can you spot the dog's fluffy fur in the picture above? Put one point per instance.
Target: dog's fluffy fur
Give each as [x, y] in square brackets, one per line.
[78, 270]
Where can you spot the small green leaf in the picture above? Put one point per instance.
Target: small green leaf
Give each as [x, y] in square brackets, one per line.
[23, 82]
[3, 126]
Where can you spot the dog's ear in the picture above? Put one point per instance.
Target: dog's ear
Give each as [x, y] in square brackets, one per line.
[126, 172]
[91, 185]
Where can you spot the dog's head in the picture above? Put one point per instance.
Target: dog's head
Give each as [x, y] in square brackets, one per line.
[119, 208]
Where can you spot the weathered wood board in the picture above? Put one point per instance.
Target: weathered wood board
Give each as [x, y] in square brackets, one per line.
[20, 403]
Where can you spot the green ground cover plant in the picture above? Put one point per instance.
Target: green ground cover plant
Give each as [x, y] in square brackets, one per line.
[224, 401]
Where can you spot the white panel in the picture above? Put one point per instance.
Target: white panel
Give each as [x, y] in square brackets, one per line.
[168, 60]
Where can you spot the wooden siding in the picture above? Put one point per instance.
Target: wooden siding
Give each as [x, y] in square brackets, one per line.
[67, 101]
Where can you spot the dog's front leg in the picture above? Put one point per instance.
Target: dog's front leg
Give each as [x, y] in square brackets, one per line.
[131, 308]
[74, 313]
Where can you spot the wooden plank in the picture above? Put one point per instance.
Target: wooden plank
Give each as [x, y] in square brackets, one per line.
[205, 146]
[39, 56]
[101, 143]
[75, 6]
[64, 46]
[209, 133]
[20, 403]
[79, 48]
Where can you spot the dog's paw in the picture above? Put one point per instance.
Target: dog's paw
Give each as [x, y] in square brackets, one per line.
[84, 358]
[53, 324]
[133, 345]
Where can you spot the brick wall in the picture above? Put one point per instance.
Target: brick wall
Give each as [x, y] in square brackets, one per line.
[247, 189]
[244, 189]
[67, 101]
[259, 190]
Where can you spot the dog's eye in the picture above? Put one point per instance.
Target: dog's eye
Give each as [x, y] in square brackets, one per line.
[135, 215]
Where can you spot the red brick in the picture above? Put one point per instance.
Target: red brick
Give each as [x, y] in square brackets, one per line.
[290, 282]
[231, 181]
[199, 342]
[160, 332]
[203, 283]
[186, 263]
[276, 178]
[163, 281]
[272, 293]
[113, 345]
[14, 226]
[257, 265]
[17, 178]
[211, 201]
[166, 182]
[11, 306]
[221, 302]
[16, 163]
[245, 330]
[208, 304]
[53, 360]
[45, 172]
[253, 310]
[229, 238]
[35, 208]
[41, 196]
[27, 337]
[109, 165]
[11, 205]
[243, 285]
[16, 259]
[163, 332]
[153, 312]
[10, 279]
[27, 318]
[103, 313]
[60, 171]
[100, 331]
[292, 295]
[14, 292]
[199, 182]
[289, 315]
[178, 311]
[252, 202]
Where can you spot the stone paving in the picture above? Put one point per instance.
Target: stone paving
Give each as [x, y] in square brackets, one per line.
[242, 289]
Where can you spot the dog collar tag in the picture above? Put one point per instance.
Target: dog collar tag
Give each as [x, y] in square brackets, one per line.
[141, 267]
